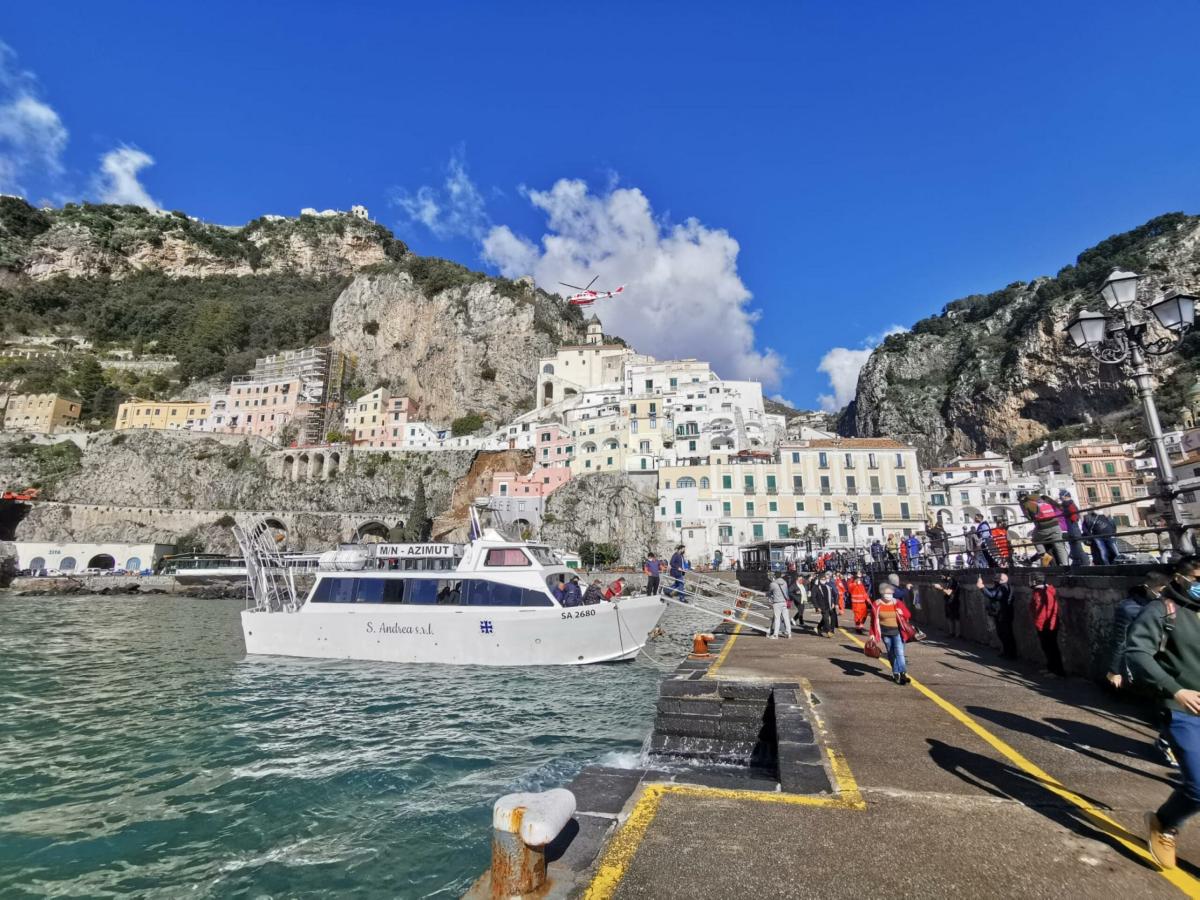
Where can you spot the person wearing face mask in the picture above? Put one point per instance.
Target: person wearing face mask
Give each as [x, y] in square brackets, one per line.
[1163, 650]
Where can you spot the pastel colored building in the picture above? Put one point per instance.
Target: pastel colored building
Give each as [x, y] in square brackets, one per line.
[40, 413]
[185, 415]
[379, 420]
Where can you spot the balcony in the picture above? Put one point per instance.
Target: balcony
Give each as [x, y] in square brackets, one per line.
[825, 492]
[771, 489]
[749, 490]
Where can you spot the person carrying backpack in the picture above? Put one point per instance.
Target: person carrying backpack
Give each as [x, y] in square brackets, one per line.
[1163, 649]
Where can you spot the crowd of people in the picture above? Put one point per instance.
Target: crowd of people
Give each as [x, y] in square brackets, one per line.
[1155, 650]
[1062, 535]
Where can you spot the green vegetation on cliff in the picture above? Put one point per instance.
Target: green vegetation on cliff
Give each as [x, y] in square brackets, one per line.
[214, 325]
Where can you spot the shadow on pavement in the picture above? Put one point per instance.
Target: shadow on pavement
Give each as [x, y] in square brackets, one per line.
[853, 667]
[1081, 737]
[1003, 781]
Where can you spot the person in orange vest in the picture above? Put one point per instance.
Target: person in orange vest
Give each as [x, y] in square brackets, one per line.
[842, 592]
[859, 601]
[1000, 539]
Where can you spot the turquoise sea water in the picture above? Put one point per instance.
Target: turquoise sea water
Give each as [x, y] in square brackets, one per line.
[142, 753]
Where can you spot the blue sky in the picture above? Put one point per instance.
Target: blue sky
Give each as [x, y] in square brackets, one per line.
[847, 167]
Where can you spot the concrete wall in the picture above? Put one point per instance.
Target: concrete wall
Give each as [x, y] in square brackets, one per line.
[1086, 606]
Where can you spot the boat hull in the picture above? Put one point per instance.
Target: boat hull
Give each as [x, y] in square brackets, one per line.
[457, 635]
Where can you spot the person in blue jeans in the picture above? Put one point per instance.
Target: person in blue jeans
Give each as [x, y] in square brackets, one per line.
[888, 612]
[1101, 529]
[1163, 650]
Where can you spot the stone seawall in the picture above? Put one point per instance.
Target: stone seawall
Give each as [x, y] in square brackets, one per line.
[1087, 602]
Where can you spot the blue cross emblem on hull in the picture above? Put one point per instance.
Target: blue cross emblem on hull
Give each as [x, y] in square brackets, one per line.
[485, 627]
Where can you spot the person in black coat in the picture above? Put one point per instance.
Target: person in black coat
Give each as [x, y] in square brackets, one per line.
[1000, 607]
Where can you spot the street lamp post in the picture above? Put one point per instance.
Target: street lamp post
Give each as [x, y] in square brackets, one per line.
[1124, 336]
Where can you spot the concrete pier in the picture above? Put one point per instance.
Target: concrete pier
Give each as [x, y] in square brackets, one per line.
[982, 778]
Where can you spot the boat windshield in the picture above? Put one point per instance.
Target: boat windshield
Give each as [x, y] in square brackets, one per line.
[543, 555]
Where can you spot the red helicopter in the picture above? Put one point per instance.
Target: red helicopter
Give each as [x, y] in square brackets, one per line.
[586, 296]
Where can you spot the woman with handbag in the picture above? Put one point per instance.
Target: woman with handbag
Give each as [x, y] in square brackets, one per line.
[891, 626]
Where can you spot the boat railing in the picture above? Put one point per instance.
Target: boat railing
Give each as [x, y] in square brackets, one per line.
[270, 581]
[721, 600]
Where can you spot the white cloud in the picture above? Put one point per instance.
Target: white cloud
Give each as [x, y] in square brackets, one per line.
[454, 210]
[842, 365]
[779, 398]
[118, 179]
[32, 136]
[683, 297]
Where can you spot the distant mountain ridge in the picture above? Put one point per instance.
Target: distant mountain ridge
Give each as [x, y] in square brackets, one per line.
[456, 340]
[99, 240]
[997, 371]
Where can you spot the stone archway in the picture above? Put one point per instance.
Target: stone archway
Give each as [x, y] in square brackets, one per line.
[373, 532]
[102, 561]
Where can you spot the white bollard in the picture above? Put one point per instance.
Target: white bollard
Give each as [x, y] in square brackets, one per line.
[522, 826]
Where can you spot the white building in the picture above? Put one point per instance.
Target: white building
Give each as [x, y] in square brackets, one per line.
[73, 557]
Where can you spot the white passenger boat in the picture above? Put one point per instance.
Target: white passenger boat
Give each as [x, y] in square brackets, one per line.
[495, 607]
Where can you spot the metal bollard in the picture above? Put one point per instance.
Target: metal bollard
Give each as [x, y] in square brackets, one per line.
[700, 645]
[522, 826]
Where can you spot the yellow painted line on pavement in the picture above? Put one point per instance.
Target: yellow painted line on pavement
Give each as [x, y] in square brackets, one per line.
[625, 843]
[843, 778]
[720, 661]
[1103, 823]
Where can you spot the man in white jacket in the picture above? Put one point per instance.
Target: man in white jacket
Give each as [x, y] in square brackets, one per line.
[778, 595]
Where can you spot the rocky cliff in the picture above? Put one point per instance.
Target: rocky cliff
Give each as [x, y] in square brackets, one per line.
[454, 340]
[998, 371]
[606, 508]
[156, 485]
[92, 241]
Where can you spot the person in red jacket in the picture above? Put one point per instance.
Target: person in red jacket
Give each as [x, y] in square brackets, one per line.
[859, 601]
[890, 620]
[615, 589]
[1043, 609]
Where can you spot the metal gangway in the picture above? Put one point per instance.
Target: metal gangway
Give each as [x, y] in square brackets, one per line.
[719, 599]
[271, 583]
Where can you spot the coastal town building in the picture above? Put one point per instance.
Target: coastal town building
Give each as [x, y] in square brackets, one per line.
[40, 413]
[722, 502]
[301, 386]
[75, 557]
[379, 420]
[577, 367]
[189, 415]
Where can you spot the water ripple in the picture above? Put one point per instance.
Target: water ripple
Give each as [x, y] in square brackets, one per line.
[142, 753]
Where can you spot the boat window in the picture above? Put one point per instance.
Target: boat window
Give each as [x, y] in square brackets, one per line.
[334, 590]
[444, 592]
[505, 556]
[491, 593]
[379, 590]
[543, 555]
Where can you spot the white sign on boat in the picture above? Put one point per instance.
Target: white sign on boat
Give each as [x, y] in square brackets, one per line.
[413, 551]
